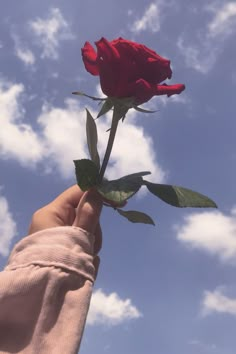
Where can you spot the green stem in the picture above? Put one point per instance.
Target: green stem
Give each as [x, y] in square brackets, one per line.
[114, 124]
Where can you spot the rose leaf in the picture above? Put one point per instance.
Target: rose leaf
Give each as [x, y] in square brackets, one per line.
[106, 107]
[86, 174]
[80, 93]
[92, 139]
[121, 189]
[136, 216]
[179, 196]
[139, 109]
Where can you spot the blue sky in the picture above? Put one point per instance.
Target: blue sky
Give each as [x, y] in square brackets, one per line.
[166, 289]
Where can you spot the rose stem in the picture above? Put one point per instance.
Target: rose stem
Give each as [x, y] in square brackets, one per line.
[114, 124]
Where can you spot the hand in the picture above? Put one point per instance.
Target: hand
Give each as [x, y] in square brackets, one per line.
[72, 207]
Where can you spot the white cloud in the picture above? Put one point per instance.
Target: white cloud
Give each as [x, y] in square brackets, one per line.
[61, 138]
[133, 151]
[210, 39]
[201, 57]
[124, 158]
[224, 21]
[25, 55]
[203, 347]
[55, 75]
[17, 139]
[164, 100]
[217, 302]
[212, 232]
[63, 133]
[50, 31]
[7, 227]
[152, 17]
[110, 309]
[151, 20]
[22, 52]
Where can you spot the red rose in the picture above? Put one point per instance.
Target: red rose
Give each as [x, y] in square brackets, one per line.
[129, 69]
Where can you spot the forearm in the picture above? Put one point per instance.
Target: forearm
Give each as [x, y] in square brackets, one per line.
[45, 292]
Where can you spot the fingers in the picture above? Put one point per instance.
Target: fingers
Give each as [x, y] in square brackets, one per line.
[70, 196]
[65, 205]
[72, 207]
[88, 211]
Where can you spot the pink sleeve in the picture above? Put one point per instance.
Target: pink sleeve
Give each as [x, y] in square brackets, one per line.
[45, 292]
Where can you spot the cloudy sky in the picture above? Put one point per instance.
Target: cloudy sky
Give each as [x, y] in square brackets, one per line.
[166, 289]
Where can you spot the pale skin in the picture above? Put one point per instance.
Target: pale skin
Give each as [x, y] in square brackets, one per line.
[72, 208]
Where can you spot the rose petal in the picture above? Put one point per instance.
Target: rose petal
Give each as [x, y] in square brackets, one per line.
[142, 91]
[109, 67]
[90, 59]
[148, 64]
[158, 70]
[169, 90]
[106, 51]
[129, 69]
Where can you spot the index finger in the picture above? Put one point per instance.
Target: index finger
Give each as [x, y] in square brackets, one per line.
[70, 196]
[88, 211]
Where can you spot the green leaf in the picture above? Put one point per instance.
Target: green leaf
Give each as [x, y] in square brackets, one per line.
[127, 102]
[136, 216]
[122, 106]
[121, 189]
[86, 174]
[139, 109]
[79, 93]
[179, 196]
[136, 174]
[106, 107]
[92, 139]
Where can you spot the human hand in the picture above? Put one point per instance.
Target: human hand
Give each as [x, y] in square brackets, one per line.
[71, 208]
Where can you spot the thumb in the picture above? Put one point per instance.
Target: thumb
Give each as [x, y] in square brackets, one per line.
[88, 211]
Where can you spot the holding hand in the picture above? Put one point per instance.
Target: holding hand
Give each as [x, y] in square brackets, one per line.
[71, 208]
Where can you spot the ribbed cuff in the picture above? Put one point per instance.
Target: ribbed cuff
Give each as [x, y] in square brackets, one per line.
[67, 247]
